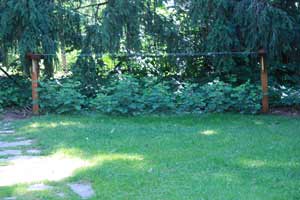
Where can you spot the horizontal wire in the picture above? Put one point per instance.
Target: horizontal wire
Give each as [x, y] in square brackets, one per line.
[157, 54]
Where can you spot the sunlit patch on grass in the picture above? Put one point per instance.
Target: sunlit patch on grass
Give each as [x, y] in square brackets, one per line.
[253, 163]
[101, 158]
[258, 122]
[250, 163]
[225, 176]
[52, 168]
[71, 152]
[34, 169]
[208, 132]
[51, 124]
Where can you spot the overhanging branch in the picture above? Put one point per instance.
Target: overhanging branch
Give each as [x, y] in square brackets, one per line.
[92, 5]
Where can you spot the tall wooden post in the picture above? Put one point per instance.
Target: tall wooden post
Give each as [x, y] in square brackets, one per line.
[34, 80]
[264, 81]
[64, 59]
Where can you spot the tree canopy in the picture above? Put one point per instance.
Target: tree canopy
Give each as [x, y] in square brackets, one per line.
[131, 26]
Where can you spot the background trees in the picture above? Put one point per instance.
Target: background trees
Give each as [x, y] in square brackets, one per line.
[151, 26]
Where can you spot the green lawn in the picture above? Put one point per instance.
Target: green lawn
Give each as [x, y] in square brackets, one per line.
[209, 157]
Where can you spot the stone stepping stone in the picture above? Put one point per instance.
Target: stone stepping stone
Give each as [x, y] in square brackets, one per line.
[10, 153]
[21, 138]
[15, 144]
[84, 190]
[33, 151]
[9, 198]
[7, 132]
[6, 124]
[39, 187]
[61, 194]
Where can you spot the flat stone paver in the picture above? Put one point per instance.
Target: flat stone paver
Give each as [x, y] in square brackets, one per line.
[61, 194]
[7, 132]
[7, 124]
[10, 153]
[15, 144]
[20, 138]
[9, 198]
[33, 151]
[84, 190]
[39, 187]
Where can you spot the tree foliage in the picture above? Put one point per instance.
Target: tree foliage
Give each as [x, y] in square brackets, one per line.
[130, 26]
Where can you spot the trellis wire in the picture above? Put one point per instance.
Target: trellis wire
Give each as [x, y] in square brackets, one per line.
[186, 54]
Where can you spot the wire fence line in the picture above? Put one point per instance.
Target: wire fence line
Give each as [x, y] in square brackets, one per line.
[161, 54]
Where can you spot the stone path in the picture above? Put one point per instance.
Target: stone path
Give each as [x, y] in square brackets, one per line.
[10, 198]
[84, 190]
[39, 187]
[15, 144]
[7, 132]
[18, 156]
[10, 153]
[33, 151]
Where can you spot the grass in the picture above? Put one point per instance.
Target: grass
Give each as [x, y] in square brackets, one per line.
[209, 157]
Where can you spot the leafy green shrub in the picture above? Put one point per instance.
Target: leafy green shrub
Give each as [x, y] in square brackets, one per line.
[190, 99]
[275, 94]
[129, 95]
[290, 97]
[61, 96]
[121, 97]
[13, 95]
[157, 97]
[284, 96]
[216, 96]
[246, 98]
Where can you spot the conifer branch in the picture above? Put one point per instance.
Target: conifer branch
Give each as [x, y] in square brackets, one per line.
[92, 5]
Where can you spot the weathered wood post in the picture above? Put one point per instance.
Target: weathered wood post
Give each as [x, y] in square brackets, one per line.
[34, 81]
[64, 59]
[264, 80]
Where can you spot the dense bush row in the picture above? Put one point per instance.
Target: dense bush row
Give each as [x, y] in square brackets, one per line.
[14, 93]
[131, 96]
[283, 96]
[61, 97]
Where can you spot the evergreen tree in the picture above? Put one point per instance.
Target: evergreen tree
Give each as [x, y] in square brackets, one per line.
[129, 26]
[36, 26]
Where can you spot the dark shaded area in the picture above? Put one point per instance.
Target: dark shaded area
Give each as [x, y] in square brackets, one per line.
[286, 111]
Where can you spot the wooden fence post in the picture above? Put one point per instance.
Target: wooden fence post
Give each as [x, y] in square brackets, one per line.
[64, 59]
[34, 80]
[264, 81]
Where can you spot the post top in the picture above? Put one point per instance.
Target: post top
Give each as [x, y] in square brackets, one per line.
[33, 56]
[262, 52]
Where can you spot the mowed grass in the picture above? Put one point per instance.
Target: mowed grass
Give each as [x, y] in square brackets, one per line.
[208, 157]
